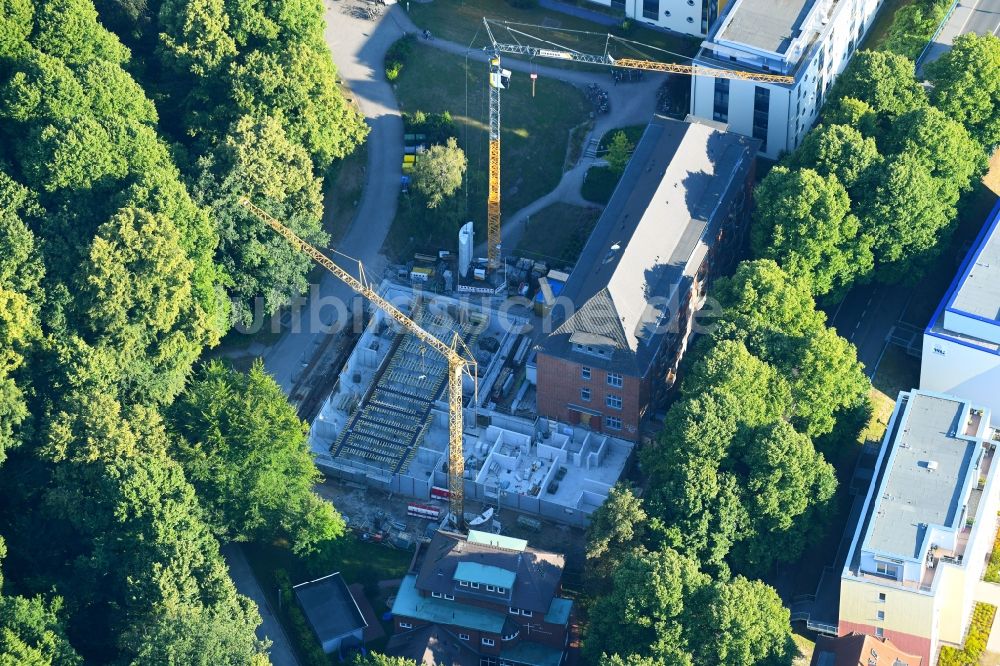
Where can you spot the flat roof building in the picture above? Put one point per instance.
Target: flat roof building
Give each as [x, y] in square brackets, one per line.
[624, 316]
[332, 612]
[927, 525]
[961, 346]
[809, 40]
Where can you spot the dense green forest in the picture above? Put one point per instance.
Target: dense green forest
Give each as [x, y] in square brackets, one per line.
[127, 130]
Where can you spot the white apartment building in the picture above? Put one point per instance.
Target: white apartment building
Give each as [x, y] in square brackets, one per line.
[690, 17]
[927, 526]
[810, 40]
[961, 348]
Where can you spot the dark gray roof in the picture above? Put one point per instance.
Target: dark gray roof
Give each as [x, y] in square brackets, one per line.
[537, 573]
[649, 240]
[329, 607]
[432, 645]
[769, 25]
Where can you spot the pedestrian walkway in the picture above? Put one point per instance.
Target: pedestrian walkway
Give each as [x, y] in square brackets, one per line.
[270, 629]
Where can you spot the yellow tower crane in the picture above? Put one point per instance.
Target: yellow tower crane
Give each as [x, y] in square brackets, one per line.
[500, 80]
[458, 365]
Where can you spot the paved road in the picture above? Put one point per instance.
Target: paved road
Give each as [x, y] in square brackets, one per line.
[358, 48]
[239, 570]
[979, 16]
[865, 317]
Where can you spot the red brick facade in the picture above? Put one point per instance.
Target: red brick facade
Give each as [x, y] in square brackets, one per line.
[563, 398]
[917, 645]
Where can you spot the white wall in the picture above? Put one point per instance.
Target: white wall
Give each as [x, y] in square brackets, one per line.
[950, 367]
[789, 103]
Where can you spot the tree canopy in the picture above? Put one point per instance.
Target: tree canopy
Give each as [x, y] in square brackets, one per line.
[966, 85]
[246, 453]
[438, 173]
[803, 221]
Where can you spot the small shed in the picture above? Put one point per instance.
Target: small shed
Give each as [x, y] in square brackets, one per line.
[332, 612]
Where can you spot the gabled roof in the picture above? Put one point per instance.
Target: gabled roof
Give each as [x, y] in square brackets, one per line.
[650, 240]
[536, 573]
[432, 645]
[856, 649]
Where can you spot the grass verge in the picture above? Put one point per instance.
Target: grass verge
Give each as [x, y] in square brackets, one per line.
[558, 233]
[343, 189]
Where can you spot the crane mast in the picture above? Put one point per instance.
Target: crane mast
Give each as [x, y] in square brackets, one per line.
[499, 79]
[458, 365]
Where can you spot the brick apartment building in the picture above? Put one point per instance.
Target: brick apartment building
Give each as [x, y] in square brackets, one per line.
[481, 600]
[625, 316]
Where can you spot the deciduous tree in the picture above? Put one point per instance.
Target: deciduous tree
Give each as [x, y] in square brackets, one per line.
[803, 222]
[966, 83]
[438, 173]
[883, 80]
[837, 150]
[246, 452]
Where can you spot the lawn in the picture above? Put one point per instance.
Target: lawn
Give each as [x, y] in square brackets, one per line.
[558, 233]
[534, 137]
[462, 21]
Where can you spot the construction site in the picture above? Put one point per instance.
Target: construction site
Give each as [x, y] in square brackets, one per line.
[385, 425]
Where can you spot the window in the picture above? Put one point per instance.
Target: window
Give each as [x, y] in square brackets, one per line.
[720, 111]
[880, 616]
[463, 583]
[612, 423]
[585, 373]
[585, 394]
[449, 597]
[761, 114]
[650, 8]
[884, 569]
[491, 588]
[474, 586]
[463, 637]
[526, 613]
[613, 401]
[879, 632]
[614, 379]
[489, 642]
[405, 625]
[881, 596]
[502, 590]
[436, 595]
[514, 611]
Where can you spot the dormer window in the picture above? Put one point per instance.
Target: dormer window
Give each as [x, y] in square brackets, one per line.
[474, 586]
[463, 583]
[501, 590]
[491, 588]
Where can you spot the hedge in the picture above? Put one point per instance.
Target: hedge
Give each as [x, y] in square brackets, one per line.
[975, 640]
[992, 574]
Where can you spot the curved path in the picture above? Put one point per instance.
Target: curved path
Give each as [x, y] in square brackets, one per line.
[358, 47]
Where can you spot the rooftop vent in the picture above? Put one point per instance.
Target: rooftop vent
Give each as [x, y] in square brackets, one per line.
[932, 465]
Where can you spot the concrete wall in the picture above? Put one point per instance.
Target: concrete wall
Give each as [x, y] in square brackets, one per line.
[951, 367]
